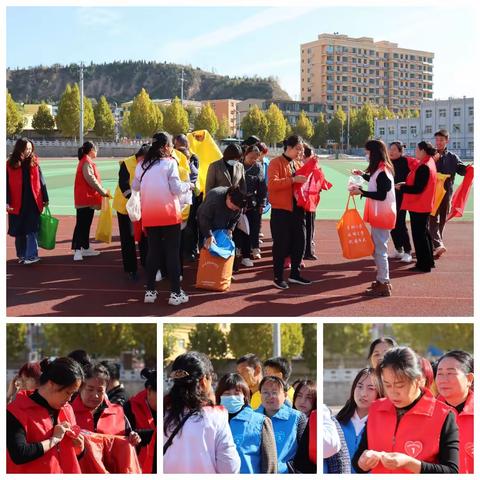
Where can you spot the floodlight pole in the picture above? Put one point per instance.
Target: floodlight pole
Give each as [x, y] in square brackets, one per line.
[81, 103]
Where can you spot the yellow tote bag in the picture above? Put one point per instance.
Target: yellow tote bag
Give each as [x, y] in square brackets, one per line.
[104, 225]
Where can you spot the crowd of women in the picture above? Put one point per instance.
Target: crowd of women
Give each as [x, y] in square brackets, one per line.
[238, 187]
[404, 415]
[249, 421]
[72, 415]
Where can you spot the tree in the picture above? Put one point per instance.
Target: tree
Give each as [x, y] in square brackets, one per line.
[125, 126]
[192, 114]
[288, 129]
[320, 134]
[144, 117]
[15, 120]
[309, 354]
[277, 125]
[384, 113]
[104, 119]
[223, 129]
[16, 342]
[335, 126]
[255, 123]
[209, 339]
[304, 126]
[159, 115]
[363, 128]
[175, 120]
[43, 121]
[145, 337]
[346, 339]
[169, 341]
[207, 120]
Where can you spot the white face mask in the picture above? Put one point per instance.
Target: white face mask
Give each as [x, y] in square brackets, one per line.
[232, 162]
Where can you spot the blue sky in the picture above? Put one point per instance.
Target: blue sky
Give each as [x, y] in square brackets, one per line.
[250, 41]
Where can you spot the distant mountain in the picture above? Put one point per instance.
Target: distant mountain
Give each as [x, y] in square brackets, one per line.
[121, 81]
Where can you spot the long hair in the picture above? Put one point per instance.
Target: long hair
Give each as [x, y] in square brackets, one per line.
[85, 149]
[378, 154]
[305, 382]
[15, 158]
[155, 153]
[186, 394]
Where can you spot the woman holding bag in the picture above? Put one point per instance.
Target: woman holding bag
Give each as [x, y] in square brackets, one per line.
[88, 192]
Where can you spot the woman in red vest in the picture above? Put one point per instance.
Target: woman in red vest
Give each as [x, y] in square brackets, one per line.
[39, 423]
[88, 193]
[93, 410]
[141, 411]
[409, 431]
[418, 198]
[26, 197]
[454, 379]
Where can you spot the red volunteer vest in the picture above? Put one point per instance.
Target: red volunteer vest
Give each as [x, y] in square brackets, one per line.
[312, 437]
[111, 421]
[144, 419]
[465, 430]
[84, 194]
[38, 427]
[421, 202]
[417, 434]
[15, 180]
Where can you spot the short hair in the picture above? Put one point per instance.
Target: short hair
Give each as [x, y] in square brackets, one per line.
[232, 152]
[113, 369]
[270, 378]
[307, 150]
[400, 146]
[31, 370]
[464, 358]
[442, 133]
[232, 381]
[96, 370]
[403, 361]
[237, 197]
[80, 356]
[251, 359]
[281, 364]
[292, 141]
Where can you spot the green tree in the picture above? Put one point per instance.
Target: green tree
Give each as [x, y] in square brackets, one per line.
[104, 119]
[143, 119]
[16, 342]
[159, 115]
[346, 339]
[277, 125]
[209, 339]
[304, 126]
[126, 131]
[255, 123]
[363, 128]
[288, 129]
[335, 126]
[43, 121]
[320, 134]
[15, 120]
[68, 117]
[384, 113]
[145, 338]
[169, 341]
[309, 354]
[223, 129]
[175, 120]
[192, 114]
[207, 120]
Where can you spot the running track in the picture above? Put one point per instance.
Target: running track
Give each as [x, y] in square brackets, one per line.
[97, 287]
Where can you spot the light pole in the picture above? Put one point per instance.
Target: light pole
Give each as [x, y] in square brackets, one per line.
[277, 340]
[81, 103]
[116, 121]
[182, 80]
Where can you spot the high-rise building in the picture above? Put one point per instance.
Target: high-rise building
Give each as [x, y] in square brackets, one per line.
[338, 70]
[225, 108]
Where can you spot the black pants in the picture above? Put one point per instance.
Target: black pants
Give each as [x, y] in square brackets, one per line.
[81, 234]
[422, 240]
[247, 242]
[127, 243]
[400, 232]
[310, 233]
[190, 234]
[288, 234]
[164, 241]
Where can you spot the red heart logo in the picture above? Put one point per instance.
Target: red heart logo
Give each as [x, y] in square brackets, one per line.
[469, 449]
[413, 448]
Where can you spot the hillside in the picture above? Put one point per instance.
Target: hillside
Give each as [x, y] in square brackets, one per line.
[121, 81]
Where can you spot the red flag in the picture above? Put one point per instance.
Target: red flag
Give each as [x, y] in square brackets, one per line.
[460, 197]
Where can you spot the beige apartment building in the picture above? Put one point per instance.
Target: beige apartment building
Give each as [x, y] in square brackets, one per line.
[225, 108]
[338, 70]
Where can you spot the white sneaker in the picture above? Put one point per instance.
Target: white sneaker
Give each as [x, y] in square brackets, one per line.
[406, 258]
[89, 252]
[247, 262]
[261, 235]
[256, 254]
[77, 256]
[28, 261]
[158, 276]
[397, 254]
[178, 298]
[260, 241]
[150, 296]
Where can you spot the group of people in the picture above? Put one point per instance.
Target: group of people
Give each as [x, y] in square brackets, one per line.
[62, 413]
[404, 415]
[237, 189]
[249, 421]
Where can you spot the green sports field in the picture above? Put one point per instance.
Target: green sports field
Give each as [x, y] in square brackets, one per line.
[60, 174]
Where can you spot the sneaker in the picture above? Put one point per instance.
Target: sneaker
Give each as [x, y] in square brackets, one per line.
[397, 254]
[158, 276]
[178, 298]
[150, 296]
[247, 262]
[261, 235]
[438, 252]
[375, 284]
[310, 256]
[406, 258]
[28, 261]
[77, 256]
[256, 254]
[89, 252]
[379, 290]
[299, 280]
[260, 241]
[281, 284]
[21, 260]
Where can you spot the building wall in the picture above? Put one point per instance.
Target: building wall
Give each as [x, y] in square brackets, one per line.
[226, 108]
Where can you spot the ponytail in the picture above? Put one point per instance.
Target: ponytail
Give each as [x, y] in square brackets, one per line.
[85, 149]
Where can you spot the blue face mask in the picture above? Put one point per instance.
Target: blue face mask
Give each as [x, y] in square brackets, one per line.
[233, 403]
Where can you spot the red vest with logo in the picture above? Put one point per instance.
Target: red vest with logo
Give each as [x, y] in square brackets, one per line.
[421, 202]
[15, 180]
[312, 438]
[84, 194]
[417, 434]
[144, 419]
[465, 430]
[39, 427]
[111, 421]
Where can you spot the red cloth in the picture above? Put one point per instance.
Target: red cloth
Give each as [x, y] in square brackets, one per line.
[312, 437]
[137, 230]
[15, 180]
[307, 194]
[421, 202]
[460, 197]
[84, 194]
[108, 454]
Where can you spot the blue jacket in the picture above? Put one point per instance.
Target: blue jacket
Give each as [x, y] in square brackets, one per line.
[247, 434]
[353, 440]
[285, 423]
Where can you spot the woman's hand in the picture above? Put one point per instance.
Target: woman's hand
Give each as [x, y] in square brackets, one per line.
[79, 444]
[208, 242]
[134, 439]
[355, 191]
[396, 460]
[398, 185]
[369, 460]
[61, 429]
[357, 172]
[108, 194]
[299, 179]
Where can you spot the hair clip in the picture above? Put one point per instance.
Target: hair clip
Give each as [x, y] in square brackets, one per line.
[177, 374]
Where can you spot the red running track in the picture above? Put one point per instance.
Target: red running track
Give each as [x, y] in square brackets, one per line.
[97, 287]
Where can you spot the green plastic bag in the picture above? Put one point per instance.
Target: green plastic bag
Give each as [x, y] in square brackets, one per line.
[48, 230]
